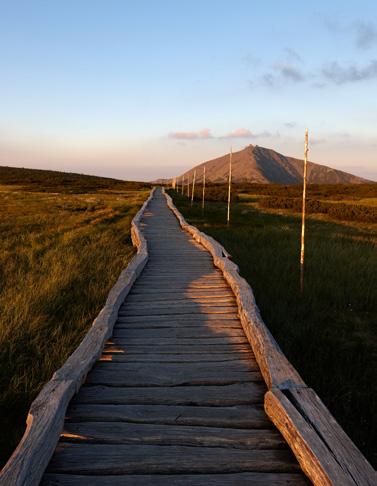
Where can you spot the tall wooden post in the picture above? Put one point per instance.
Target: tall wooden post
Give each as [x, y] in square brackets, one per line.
[204, 187]
[193, 187]
[229, 185]
[188, 186]
[302, 253]
[183, 183]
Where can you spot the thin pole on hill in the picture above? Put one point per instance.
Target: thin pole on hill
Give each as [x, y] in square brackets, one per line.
[302, 252]
[229, 185]
[193, 187]
[188, 186]
[204, 186]
[183, 183]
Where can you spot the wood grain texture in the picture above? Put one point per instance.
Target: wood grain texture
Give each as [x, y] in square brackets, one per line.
[114, 355]
[171, 374]
[324, 451]
[239, 414]
[200, 347]
[177, 333]
[126, 433]
[249, 392]
[239, 479]
[141, 459]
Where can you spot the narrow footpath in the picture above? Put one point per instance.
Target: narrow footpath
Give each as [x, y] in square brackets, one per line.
[177, 396]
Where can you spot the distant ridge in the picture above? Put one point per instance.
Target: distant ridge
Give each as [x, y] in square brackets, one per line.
[56, 181]
[262, 165]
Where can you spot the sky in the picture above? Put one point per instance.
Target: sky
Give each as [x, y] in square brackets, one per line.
[146, 89]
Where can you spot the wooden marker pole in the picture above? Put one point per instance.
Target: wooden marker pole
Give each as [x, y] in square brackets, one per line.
[188, 186]
[183, 183]
[302, 253]
[193, 187]
[204, 187]
[229, 185]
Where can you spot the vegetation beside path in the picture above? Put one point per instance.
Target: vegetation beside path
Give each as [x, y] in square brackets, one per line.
[329, 334]
[62, 248]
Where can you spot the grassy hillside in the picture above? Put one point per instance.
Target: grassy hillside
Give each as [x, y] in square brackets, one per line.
[64, 239]
[34, 180]
[329, 333]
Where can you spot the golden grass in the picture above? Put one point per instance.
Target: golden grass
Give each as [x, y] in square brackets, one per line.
[59, 256]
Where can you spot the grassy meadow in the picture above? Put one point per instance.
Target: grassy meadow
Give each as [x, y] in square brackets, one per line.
[330, 332]
[64, 239]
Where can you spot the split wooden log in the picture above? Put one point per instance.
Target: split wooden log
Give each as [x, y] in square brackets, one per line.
[325, 452]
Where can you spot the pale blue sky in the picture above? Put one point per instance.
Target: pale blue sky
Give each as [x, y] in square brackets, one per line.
[144, 89]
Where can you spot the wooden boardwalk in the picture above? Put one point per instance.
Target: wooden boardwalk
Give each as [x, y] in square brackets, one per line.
[177, 397]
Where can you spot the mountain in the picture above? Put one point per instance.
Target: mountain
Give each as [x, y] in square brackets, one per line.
[262, 165]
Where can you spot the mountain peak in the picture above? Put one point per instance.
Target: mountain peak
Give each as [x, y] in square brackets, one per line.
[262, 165]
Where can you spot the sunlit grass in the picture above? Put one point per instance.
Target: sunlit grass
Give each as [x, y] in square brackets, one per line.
[329, 333]
[59, 256]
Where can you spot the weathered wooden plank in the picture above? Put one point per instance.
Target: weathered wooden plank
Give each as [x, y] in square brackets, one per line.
[239, 416]
[187, 318]
[208, 341]
[161, 292]
[168, 286]
[177, 310]
[133, 459]
[233, 394]
[184, 277]
[128, 433]
[177, 324]
[186, 271]
[185, 303]
[180, 348]
[168, 375]
[118, 356]
[165, 298]
[240, 479]
[173, 369]
[187, 333]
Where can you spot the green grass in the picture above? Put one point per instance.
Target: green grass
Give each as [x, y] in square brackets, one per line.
[329, 334]
[60, 254]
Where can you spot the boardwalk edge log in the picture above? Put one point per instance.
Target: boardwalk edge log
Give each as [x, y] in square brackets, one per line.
[45, 418]
[325, 453]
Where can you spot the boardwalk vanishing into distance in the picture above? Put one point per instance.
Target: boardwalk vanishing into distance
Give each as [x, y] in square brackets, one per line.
[177, 396]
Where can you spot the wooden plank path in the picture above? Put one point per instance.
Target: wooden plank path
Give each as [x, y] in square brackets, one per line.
[177, 396]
